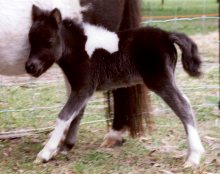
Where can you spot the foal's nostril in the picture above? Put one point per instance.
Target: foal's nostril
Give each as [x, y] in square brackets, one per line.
[30, 68]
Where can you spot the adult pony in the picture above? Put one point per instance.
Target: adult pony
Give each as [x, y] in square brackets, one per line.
[93, 58]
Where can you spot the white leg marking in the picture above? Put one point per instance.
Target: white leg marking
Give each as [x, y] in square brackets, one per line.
[186, 98]
[51, 147]
[195, 147]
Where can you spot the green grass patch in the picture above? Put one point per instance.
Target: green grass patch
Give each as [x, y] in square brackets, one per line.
[176, 7]
[172, 8]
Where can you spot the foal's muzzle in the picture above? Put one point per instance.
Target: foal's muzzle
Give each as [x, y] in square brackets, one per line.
[33, 68]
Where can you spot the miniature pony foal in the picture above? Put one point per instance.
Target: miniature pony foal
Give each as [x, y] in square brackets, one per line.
[93, 58]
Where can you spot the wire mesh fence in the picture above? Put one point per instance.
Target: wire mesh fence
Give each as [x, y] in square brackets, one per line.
[33, 104]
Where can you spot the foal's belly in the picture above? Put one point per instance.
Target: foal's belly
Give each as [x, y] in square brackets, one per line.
[120, 83]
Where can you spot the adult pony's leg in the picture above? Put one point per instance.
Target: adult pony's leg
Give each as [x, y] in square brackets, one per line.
[70, 111]
[180, 104]
[71, 136]
[129, 115]
[131, 105]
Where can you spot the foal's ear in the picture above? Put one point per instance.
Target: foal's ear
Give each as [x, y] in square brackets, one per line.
[56, 15]
[36, 12]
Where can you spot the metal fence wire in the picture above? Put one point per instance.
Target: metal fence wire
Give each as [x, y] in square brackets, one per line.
[31, 105]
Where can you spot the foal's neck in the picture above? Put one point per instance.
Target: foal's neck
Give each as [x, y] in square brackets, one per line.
[88, 37]
[73, 39]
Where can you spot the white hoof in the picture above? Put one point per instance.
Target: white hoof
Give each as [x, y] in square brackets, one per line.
[193, 159]
[196, 148]
[45, 155]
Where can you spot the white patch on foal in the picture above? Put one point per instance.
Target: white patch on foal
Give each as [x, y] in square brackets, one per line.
[195, 147]
[99, 37]
[58, 135]
[194, 143]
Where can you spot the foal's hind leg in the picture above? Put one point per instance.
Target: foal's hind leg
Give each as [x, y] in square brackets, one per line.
[181, 106]
[71, 136]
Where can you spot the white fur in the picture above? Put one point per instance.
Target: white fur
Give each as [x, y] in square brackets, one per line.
[99, 37]
[15, 22]
[194, 143]
[186, 98]
[195, 146]
[51, 147]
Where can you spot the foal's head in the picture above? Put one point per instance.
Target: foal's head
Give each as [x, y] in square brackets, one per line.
[44, 38]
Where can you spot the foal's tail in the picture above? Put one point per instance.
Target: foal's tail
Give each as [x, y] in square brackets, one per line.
[190, 58]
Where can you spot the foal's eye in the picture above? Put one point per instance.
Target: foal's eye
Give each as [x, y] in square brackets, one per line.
[50, 41]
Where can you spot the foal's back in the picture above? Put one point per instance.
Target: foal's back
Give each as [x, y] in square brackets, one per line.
[151, 46]
[153, 53]
[144, 52]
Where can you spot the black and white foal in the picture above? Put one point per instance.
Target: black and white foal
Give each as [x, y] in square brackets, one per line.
[93, 59]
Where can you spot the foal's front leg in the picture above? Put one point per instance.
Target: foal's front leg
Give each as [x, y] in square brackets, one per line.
[75, 103]
[71, 135]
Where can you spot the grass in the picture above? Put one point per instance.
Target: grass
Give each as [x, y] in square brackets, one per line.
[175, 7]
[186, 7]
[161, 152]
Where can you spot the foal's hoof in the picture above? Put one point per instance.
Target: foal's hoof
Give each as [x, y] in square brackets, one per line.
[190, 164]
[39, 161]
[65, 148]
[193, 159]
[45, 155]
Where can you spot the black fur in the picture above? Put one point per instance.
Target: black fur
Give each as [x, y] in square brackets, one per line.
[190, 58]
[146, 55]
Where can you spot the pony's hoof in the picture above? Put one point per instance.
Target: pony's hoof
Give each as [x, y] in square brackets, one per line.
[65, 148]
[113, 138]
[110, 143]
[193, 159]
[45, 155]
[189, 164]
[38, 161]
[64, 151]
